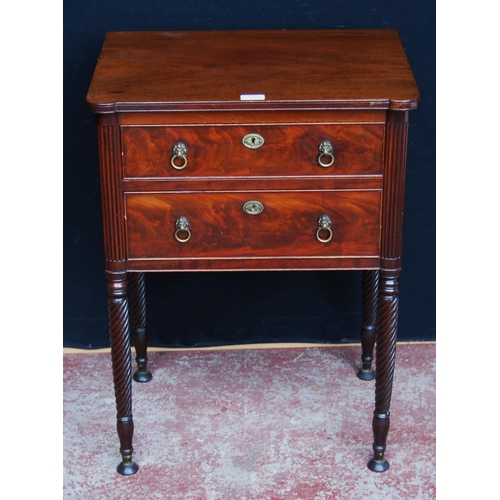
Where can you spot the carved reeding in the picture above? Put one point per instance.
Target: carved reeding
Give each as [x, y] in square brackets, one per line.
[113, 211]
[370, 298]
[121, 359]
[386, 339]
[394, 187]
[120, 343]
[137, 306]
[137, 299]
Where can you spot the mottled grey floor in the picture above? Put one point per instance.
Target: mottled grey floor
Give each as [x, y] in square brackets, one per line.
[290, 423]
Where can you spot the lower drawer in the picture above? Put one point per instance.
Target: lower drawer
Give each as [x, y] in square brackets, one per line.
[253, 224]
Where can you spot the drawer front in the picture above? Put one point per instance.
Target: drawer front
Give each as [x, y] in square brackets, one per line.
[219, 226]
[285, 150]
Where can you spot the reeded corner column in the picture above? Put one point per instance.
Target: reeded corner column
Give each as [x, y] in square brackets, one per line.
[116, 273]
[396, 141]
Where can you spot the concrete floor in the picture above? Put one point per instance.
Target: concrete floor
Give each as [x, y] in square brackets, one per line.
[279, 423]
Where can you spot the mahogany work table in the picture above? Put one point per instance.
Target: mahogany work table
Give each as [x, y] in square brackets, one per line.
[252, 150]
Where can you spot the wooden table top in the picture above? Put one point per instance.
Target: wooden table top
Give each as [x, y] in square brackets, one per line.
[180, 70]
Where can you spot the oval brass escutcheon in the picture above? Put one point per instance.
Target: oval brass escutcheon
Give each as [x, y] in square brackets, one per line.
[253, 141]
[253, 207]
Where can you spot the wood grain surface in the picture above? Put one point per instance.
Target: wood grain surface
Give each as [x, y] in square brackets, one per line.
[201, 69]
[220, 227]
[287, 150]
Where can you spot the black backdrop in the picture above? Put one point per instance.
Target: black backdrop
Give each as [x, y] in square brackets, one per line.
[219, 308]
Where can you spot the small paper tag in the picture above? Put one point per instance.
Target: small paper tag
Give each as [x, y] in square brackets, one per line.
[252, 97]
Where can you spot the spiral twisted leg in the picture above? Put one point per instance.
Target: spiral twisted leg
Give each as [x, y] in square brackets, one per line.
[370, 300]
[137, 300]
[122, 367]
[386, 358]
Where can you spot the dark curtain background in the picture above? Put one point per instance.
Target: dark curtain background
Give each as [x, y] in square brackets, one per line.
[219, 308]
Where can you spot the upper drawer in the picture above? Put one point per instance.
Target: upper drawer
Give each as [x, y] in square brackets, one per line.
[220, 150]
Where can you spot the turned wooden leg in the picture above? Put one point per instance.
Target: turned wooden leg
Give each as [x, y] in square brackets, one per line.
[386, 357]
[122, 367]
[137, 300]
[368, 329]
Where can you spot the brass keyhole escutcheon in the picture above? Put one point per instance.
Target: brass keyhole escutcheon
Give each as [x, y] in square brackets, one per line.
[253, 207]
[253, 141]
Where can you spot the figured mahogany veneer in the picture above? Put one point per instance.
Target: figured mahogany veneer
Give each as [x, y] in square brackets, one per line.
[287, 150]
[220, 227]
[208, 90]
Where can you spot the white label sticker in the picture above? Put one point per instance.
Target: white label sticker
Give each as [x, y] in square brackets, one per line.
[252, 97]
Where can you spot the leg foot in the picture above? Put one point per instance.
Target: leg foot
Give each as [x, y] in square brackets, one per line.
[376, 466]
[125, 427]
[142, 376]
[368, 331]
[137, 294]
[381, 424]
[366, 374]
[127, 467]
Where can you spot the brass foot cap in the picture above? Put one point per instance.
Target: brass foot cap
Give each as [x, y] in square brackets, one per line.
[127, 470]
[366, 375]
[142, 377]
[378, 466]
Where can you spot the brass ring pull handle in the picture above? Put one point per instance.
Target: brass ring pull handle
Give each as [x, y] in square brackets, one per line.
[324, 225]
[182, 226]
[179, 152]
[325, 158]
